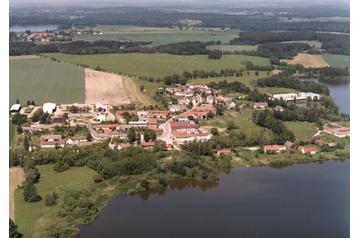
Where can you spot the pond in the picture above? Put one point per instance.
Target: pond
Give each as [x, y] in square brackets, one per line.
[305, 200]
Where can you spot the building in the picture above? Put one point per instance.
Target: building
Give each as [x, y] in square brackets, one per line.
[337, 130]
[49, 107]
[308, 149]
[323, 143]
[260, 105]
[152, 124]
[76, 140]
[274, 148]
[201, 112]
[183, 126]
[51, 141]
[301, 96]
[182, 137]
[278, 108]
[158, 114]
[15, 108]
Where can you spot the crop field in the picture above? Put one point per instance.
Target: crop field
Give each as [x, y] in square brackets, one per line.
[157, 65]
[232, 48]
[31, 216]
[337, 60]
[303, 130]
[43, 80]
[157, 35]
[308, 61]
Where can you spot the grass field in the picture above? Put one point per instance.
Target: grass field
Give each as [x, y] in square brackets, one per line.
[30, 216]
[43, 80]
[157, 65]
[337, 60]
[232, 48]
[243, 122]
[302, 130]
[135, 95]
[248, 80]
[158, 36]
[12, 129]
[312, 43]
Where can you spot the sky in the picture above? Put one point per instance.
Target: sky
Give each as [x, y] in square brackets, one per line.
[204, 3]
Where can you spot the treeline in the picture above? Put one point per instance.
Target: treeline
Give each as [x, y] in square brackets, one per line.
[281, 50]
[182, 48]
[333, 75]
[286, 80]
[230, 87]
[266, 119]
[332, 43]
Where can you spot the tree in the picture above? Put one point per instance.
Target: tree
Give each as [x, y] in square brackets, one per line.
[131, 135]
[18, 119]
[231, 125]
[30, 192]
[32, 174]
[17, 101]
[51, 199]
[214, 131]
[13, 232]
[215, 54]
[26, 143]
[141, 88]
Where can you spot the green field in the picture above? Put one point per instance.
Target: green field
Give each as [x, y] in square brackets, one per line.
[157, 35]
[248, 80]
[232, 48]
[312, 43]
[157, 65]
[43, 80]
[243, 122]
[337, 60]
[12, 129]
[303, 130]
[31, 216]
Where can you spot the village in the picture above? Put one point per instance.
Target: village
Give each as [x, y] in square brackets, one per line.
[125, 125]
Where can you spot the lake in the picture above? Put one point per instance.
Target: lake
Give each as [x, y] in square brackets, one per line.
[305, 200]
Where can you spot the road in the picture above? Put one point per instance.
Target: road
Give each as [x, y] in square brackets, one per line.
[166, 136]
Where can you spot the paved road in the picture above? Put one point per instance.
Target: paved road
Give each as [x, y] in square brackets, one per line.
[167, 132]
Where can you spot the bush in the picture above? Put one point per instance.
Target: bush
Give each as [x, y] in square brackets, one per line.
[61, 166]
[97, 178]
[30, 192]
[51, 199]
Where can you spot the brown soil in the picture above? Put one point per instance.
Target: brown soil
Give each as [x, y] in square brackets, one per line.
[308, 61]
[23, 57]
[16, 177]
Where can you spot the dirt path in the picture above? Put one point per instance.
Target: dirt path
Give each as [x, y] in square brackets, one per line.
[308, 61]
[16, 177]
[23, 57]
[106, 88]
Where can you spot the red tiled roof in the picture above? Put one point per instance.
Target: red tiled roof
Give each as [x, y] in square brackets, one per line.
[274, 147]
[182, 125]
[308, 148]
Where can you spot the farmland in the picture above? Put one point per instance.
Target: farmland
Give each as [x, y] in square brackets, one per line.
[157, 35]
[135, 95]
[31, 216]
[43, 80]
[337, 60]
[232, 48]
[308, 61]
[157, 65]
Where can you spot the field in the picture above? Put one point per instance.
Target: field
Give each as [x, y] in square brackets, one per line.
[105, 88]
[30, 216]
[158, 36]
[243, 122]
[232, 48]
[337, 60]
[12, 132]
[157, 65]
[43, 80]
[135, 95]
[302, 130]
[308, 61]
[312, 43]
[23, 57]
[248, 80]
[16, 178]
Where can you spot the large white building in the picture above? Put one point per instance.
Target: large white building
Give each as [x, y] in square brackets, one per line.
[49, 107]
[296, 96]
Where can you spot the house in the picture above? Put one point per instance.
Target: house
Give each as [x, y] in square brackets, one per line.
[147, 145]
[308, 149]
[158, 114]
[201, 112]
[226, 151]
[260, 105]
[278, 108]
[152, 123]
[337, 130]
[176, 108]
[58, 119]
[183, 126]
[15, 108]
[101, 107]
[76, 140]
[225, 101]
[323, 142]
[182, 137]
[301, 96]
[49, 108]
[288, 145]
[274, 148]
[51, 141]
[101, 117]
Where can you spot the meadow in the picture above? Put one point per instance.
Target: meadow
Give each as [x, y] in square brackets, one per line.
[232, 48]
[157, 65]
[31, 216]
[337, 60]
[157, 35]
[43, 80]
[303, 130]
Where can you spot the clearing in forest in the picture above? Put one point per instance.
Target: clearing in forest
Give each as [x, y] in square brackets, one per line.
[105, 88]
[308, 61]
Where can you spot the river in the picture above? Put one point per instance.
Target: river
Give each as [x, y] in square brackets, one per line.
[305, 200]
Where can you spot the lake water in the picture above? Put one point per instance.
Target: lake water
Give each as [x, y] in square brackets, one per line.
[18, 28]
[303, 201]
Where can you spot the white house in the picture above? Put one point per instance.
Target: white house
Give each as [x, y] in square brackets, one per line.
[49, 107]
[15, 108]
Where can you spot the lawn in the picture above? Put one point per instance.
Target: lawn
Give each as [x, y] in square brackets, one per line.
[303, 130]
[232, 48]
[30, 216]
[157, 35]
[337, 60]
[157, 65]
[43, 80]
[242, 120]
